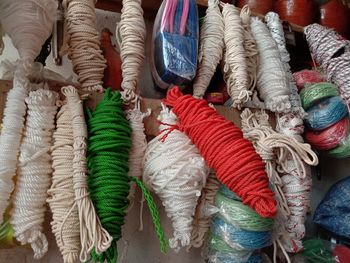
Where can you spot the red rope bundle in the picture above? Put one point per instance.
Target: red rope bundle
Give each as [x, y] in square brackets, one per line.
[329, 138]
[222, 145]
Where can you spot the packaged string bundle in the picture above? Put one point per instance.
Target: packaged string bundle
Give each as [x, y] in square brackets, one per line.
[20, 24]
[272, 83]
[222, 145]
[314, 93]
[108, 156]
[211, 45]
[235, 69]
[34, 172]
[306, 76]
[175, 43]
[176, 172]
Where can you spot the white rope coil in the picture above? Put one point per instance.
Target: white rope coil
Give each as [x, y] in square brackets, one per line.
[235, 69]
[84, 43]
[175, 171]
[210, 49]
[131, 32]
[34, 172]
[276, 29]
[65, 218]
[201, 221]
[272, 81]
[93, 235]
[251, 48]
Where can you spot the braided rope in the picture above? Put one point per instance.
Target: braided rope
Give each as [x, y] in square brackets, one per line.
[34, 172]
[210, 49]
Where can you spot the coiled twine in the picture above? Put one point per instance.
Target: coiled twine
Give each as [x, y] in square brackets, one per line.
[342, 151]
[310, 95]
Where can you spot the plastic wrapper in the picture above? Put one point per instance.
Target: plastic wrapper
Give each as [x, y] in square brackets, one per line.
[342, 150]
[333, 213]
[219, 257]
[175, 43]
[307, 76]
[237, 238]
[228, 193]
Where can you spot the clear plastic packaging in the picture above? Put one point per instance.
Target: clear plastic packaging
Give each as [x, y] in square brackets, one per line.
[175, 43]
[307, 76]
[219, 257]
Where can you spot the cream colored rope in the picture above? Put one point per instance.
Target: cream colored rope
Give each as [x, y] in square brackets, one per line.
[93, 235]
[84, 43]
[235, 69]
[210, 48]
[132, 33]
[65, 217]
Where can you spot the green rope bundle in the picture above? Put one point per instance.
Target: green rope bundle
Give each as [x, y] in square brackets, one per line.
[316, 92]
[342, 150]
[315, 251]
[108, 153]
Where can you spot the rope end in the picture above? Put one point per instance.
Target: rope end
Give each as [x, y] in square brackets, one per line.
[172, 95]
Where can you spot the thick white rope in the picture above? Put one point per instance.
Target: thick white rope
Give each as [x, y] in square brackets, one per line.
[272, 81]
[201, 221]
[235, 69]
[34, 172]
[93, 235]
[84, 43]
[65, 217]
[276, 29]
[175, 171]
[211, 48]
[131, 32]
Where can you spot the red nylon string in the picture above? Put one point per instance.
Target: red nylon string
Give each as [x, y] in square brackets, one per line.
[222, 145]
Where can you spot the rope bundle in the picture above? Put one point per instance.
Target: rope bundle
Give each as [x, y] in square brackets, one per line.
[272, 80]
[84, 43]
[210, 48]
[222, 145]
[314, 93]
[34, 172]
[175, 170]
[305, 76]
[65, 217]
[326, 113]
[342, 150]
[35, 30]
[235, 68]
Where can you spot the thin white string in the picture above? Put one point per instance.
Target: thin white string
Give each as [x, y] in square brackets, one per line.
[65, 218]
[272, 81]
[210, 48]
[235, 69]
[93, 235]
[34, 172]
[175, 171]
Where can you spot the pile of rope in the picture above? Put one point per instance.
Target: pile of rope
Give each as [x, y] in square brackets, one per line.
[176, 172]
[332, 53]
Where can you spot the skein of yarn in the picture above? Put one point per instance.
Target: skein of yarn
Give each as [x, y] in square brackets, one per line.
[222, 145]
[272, 81]
[314, 93]
[235, 69]
[342, 150]
[175, 171]
[211, 46]
[35, 29]
[34, 172]
[306, 76]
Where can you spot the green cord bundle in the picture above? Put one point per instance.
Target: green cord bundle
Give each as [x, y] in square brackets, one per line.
[108, 153]
[342, 150]
[240, 215]
[315, 251]
[316, 92]
[6, 233]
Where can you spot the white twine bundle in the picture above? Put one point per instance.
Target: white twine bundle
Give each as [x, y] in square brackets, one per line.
[84, 43]
[34, 172]
[276, 29]
[235, 69]
[176, 172]
[93, 235]
[201, 221]
[210, 49]
[131, 32]
[272, 81]
[65, 217]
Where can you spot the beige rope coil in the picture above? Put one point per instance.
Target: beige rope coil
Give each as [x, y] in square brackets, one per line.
[131, 32]
[272, 81]
[201, 221]
[235, 69]
[251, 48]
[84, 43]
[210, 48]
[65, 217]
[93, 235]
[34, 172]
